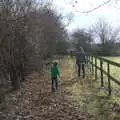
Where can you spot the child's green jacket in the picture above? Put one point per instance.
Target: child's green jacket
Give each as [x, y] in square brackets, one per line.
[55, 71]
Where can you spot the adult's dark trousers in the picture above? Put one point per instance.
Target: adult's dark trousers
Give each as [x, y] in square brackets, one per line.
[81, 67]
[54, 83]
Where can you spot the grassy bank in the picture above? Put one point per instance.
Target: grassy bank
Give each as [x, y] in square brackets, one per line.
[92, 98]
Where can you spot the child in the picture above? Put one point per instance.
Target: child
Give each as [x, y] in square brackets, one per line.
[55, 73]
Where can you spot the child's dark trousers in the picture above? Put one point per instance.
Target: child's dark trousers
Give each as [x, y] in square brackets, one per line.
[54, 83]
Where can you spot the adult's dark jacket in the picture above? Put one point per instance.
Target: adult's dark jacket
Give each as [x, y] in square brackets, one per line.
[80, 58]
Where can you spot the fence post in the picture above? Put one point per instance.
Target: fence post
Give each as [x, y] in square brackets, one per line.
[92, 66]
[90, 62]
[109, 84]
[101, 67]
[96, 68]
[87, 60]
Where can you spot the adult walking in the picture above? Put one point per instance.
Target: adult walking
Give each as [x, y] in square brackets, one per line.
[81, 61]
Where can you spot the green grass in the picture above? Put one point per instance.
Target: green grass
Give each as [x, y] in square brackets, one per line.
[92, 98]
[94, 101]
[115, 59]
[114, 71]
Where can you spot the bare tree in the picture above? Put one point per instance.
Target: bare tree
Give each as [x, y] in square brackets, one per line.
[106, 34]
[82, 38]
[29, 33]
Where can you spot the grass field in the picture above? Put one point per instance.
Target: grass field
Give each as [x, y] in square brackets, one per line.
[115, 59]
[114, 71]
[93, 98]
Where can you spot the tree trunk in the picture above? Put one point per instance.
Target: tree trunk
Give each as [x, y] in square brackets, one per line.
[14, 78]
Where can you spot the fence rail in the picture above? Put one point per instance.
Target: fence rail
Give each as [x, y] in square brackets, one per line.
[93, 61]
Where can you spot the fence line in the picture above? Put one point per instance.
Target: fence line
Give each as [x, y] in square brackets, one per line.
[94, 66]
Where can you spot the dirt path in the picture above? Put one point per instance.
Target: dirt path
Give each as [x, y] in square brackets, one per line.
[76, 99]
[35, 101]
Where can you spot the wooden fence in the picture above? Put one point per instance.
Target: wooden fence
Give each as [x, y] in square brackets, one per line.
[94, 67]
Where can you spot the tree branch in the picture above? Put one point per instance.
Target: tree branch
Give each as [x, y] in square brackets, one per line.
[99, 6]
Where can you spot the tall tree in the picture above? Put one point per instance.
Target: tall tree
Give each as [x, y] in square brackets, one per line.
[29, 33]
[82, 38]
[106, 35]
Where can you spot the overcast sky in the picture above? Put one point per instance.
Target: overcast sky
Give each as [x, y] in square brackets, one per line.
[110, 12]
